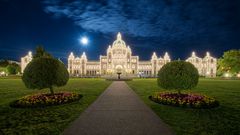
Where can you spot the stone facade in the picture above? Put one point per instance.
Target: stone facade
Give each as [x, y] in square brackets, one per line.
[25, 60]
[206, 66]
[119, 60]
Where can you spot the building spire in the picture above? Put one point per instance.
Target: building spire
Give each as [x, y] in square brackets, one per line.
[84, 55]
[154, 56]
[193, 54]
[30, 53]
[208, 54]
[119, 36]
[166, 56]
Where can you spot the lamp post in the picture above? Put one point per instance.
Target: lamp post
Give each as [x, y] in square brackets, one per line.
[119, 73]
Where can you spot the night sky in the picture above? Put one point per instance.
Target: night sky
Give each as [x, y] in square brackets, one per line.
[176, 26]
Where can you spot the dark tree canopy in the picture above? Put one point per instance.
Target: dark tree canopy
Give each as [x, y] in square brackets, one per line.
[178, 75]
[4, 63]
[40, 52]
[229, 62]
[45, 72]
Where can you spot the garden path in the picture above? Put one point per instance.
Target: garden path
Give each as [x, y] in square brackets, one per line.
[118, 111]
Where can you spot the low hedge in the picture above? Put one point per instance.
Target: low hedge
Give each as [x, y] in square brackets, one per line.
[184, 100]
[42, 100]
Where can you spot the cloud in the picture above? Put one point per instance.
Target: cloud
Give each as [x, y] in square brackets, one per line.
[167, 19]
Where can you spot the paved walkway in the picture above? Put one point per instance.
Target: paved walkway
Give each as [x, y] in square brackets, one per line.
[118, 111]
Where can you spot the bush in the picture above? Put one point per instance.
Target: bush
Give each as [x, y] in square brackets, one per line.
[42, 100]
[4, 63]
[45, 72]
[184, 100]
[178, 75]
[13, 69]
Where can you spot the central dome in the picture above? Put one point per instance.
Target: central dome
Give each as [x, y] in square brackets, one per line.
[119, 42]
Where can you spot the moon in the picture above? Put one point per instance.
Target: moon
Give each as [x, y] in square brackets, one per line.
[84, 40]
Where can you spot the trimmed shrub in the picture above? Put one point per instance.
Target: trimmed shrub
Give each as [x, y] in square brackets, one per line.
[178, 75]
[184, 100]
[42, 100]
[45, 72]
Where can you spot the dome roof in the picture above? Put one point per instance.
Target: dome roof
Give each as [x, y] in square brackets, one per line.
[119, 42]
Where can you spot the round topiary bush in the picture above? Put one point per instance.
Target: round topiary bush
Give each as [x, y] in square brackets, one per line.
[43, 100]
[181, 75]
[45, 72]
[178, 75]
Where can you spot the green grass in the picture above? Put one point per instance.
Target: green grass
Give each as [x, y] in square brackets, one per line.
[50, 120]
[224, 120]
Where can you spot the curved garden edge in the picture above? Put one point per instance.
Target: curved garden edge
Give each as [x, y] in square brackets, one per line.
[186, 100]
[45, 99]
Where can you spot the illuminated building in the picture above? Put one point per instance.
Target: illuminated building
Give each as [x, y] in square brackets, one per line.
[119, 59]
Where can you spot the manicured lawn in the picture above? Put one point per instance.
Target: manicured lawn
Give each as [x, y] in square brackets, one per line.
[49, 120]
[224, 120]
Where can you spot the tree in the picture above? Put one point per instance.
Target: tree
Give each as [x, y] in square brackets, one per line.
[40, 52]
[45, 72]
[178, 75]
[13, 68]
[4, 63]
[229, 62]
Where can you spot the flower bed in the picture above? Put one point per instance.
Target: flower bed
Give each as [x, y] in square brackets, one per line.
[184, 100]
[42, 100]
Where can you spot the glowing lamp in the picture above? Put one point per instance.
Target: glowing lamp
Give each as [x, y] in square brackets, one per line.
[227, 75]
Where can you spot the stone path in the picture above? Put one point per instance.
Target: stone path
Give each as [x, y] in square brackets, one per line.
[118, 111]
